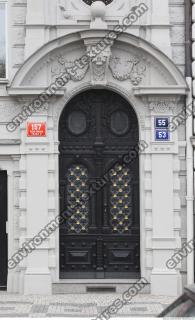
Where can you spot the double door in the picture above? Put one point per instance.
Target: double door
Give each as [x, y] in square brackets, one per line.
[99, 193]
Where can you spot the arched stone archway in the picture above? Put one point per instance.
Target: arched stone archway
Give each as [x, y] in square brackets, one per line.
[153, 85]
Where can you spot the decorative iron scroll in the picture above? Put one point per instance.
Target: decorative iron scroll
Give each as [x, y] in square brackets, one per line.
[120, 200]
[77, 187]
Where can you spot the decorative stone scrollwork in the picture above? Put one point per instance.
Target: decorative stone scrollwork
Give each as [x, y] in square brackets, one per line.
[164, 105]
[132, 69]
[59, 68]
[159, 107]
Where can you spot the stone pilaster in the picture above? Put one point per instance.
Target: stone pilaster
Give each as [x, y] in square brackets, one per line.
[165, 201]
[35, 150]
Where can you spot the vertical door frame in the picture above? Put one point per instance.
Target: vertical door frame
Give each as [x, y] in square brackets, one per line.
[5, 219]
[7, 164]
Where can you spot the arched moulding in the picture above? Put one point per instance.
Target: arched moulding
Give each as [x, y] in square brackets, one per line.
[131, 61]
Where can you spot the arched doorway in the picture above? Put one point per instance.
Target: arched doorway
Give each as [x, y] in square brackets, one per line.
[99, 194]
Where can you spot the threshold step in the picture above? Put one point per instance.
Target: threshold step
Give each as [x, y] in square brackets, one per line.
[93, 288]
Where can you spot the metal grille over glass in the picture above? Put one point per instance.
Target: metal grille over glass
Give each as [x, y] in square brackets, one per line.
[121, 200]
[77, 188]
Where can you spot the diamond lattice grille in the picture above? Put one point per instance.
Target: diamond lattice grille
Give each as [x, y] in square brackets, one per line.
[77, 187]
[120, 200]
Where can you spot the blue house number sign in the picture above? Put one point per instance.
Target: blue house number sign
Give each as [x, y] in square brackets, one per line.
[161, 129]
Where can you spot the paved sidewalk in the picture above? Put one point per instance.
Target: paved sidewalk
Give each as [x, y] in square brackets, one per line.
[78, 305]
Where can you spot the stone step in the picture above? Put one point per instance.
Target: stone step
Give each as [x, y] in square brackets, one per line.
[95, 287]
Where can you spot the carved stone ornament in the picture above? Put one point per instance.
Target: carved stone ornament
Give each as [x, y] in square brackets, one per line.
[98, 12]
[61, 66]
[132, 69]
[64, 10]
[164, 105]
[99, 65]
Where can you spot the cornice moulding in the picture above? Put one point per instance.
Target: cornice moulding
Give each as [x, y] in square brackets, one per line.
[169, 90]
[26, 91]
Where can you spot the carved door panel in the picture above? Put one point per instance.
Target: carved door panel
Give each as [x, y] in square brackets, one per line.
[99, 194]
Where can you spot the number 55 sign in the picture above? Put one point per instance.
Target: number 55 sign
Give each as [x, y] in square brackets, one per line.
[161, 129]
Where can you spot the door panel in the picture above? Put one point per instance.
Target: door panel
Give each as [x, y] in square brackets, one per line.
[99, 194]
[3, 235]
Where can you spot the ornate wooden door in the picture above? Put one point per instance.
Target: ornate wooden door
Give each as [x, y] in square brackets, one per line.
[3, 235]
[99, 194]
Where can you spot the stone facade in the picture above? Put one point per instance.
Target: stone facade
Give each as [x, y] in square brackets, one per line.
[146, 65]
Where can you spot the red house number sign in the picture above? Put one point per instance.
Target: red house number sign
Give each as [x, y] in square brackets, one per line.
[36, 129]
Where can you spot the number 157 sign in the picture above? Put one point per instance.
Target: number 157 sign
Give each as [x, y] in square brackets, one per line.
[36, 129]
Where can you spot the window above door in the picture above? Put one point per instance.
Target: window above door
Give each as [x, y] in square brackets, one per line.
[89, 2]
